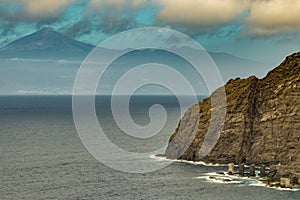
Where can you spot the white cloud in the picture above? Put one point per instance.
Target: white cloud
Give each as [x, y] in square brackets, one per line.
[102, 3]
[44, 60]
[269, 17]
[36, 8]
[137, 3]
[201, 12]
[120, 4]
[50, 91]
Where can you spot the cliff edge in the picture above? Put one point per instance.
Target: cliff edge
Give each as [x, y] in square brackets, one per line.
[261, 126]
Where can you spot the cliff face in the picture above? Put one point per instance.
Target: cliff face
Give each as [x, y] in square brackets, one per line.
[262, 121]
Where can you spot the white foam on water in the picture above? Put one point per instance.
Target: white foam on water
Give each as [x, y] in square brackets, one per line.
[246, 178]
[255, 182]
[159, 158]
[284, 189]
[201, 177]
[247, 181]
[162, 158]
[188, 161]
[258, 184]
[224, 182]
[219, 180]
[191, 162]
[212, 174]
[216, 165]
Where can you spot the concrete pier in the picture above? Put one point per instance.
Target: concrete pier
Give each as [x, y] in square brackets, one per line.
[262, 171]
[231, 168]
[285, 183]
[252, 170]
[241, 169]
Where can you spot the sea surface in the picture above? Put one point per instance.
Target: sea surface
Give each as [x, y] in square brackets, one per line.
[42, 157]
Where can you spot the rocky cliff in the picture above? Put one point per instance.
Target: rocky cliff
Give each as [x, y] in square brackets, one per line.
[262, 121]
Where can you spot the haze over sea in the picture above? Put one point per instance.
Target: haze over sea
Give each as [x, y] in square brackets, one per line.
[42, 157]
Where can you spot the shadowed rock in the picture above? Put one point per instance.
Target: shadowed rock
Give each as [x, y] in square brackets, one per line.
[262, 121]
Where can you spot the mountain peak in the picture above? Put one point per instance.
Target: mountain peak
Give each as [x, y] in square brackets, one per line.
[46, 43]
[46, 31]
[289, 67]
[294, 55]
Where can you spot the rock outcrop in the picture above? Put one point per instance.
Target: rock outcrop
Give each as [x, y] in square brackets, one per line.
[262, 123]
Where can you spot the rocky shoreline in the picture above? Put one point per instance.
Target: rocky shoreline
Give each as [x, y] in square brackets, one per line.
[261, 126]
[277, 176]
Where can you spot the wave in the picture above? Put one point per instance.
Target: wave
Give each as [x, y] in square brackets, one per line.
[161, 158]
[224, 177]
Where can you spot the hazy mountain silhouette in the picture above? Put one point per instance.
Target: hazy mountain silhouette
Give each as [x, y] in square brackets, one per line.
[45, 44]
[49, 44]
[43, 55]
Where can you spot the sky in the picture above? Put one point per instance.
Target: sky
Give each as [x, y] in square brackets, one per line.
[262, 30]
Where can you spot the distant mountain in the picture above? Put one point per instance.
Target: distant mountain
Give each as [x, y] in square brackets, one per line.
[233, 66]
[46, 44]
[230, 66]
[226, 59]
[51, 61]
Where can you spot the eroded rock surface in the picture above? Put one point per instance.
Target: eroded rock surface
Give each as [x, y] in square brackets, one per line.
[262, 123]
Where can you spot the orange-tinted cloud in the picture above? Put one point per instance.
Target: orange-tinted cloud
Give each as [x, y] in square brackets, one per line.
[201, 12]
[270, 17]
[37, 8]
[117, 3]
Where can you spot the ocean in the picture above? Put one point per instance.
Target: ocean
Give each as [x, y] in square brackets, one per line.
[42, 157]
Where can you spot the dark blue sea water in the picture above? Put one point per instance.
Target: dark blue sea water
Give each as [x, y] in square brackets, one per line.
[42, 157]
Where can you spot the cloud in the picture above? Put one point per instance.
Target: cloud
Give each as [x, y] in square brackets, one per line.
[18, 18]
[107, 24]
[120, 4]
[202, 13]
[106, 16]
[102, 3]
[87, 19]
[81, 27]
[114, 24]
[38, 8]
[49, 91]
[137, 3]
[189, 16]
[271, 17]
